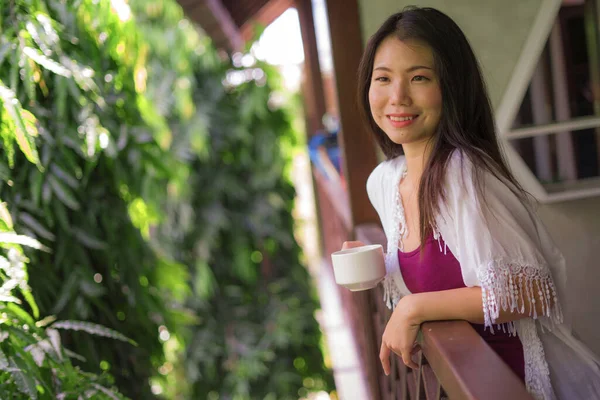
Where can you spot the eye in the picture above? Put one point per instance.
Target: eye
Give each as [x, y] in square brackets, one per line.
[420, 78]
[382, 79]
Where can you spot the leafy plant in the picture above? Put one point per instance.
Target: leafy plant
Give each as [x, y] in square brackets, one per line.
[162, 193]
[90, 178]
[33, 362]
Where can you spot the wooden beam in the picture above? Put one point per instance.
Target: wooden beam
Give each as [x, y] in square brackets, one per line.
[267, 14]
[312, 85]
[226, 24]
[216, 21]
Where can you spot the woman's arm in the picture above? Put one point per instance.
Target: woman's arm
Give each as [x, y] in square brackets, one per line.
[412, 310]
[462, 303]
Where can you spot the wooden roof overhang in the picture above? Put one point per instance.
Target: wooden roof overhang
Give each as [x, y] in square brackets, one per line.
[230, 23]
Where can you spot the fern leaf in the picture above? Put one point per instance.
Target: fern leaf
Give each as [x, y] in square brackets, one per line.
[24, 381]
[63, 193]
[72, 354]
[54, 337]
[3, 361]
[36, 226]
[38, 354]
[113, 395]
[93, 329]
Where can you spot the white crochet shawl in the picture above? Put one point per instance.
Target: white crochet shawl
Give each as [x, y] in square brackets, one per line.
[501, 247]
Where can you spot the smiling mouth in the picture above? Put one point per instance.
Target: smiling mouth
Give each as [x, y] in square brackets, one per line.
[402, 119]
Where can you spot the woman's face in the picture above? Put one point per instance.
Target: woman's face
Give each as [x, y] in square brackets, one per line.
[405, 95]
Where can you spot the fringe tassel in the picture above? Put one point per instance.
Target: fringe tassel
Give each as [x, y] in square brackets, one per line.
[505, 285]
[387, 298]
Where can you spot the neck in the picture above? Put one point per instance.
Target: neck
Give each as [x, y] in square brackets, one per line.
[416, 155]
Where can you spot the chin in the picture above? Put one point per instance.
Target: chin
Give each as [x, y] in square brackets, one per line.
[397, 139]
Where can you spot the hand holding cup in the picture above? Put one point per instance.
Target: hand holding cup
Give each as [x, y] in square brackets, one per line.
[358, 266]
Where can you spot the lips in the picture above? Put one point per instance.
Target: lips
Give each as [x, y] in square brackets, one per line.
[401, 120]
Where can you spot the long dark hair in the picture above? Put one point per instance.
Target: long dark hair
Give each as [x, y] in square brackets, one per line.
[466, 123]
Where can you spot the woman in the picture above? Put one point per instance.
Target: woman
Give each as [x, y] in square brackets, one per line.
[463, 241]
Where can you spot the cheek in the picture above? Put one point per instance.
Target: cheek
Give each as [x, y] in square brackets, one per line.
[435, 99]
[430, 101]
[375, 101]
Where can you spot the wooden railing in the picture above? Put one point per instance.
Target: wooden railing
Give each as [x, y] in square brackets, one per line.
[455, 362]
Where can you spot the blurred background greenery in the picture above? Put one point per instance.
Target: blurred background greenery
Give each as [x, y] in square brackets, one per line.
[146, 230]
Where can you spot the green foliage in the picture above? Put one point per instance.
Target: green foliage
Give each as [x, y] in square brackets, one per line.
[162, 199]
[33, 362]
[92, 149]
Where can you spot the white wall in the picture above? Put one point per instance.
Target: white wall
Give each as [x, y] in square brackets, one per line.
[575, 226]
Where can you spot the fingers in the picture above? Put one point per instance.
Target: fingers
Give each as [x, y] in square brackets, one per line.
[407, 359]
[416, 348]
[384, 356]
[352, 244]
[405, 354]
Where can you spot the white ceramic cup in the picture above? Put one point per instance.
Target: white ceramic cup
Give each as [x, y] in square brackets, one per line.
[359, 268]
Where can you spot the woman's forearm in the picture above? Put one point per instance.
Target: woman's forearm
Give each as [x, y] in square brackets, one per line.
[463, 303]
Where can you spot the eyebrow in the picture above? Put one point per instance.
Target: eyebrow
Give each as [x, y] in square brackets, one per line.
[411, 69]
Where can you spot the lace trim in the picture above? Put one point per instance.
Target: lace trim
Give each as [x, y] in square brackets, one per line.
[537, 373]
[504, 285]
[391, 293]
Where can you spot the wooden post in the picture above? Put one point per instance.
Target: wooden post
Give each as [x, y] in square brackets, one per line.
[359, 156]
[314, 97]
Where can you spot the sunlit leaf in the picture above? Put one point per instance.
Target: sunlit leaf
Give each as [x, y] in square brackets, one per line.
[5, 215]
[46, 62]
[20, 313]
[45, 321]
[9, 299]
[23, 132]
[32, 304]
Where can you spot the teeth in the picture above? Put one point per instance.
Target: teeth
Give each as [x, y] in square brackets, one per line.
[399, 119]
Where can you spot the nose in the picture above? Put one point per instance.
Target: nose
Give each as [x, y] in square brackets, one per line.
[401, 94]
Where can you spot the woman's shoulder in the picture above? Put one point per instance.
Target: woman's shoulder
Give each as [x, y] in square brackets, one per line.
[389, 166]
[382, 177]
[462, 168]
[469, 178]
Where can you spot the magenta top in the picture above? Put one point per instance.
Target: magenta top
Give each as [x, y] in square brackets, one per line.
[438, 269]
